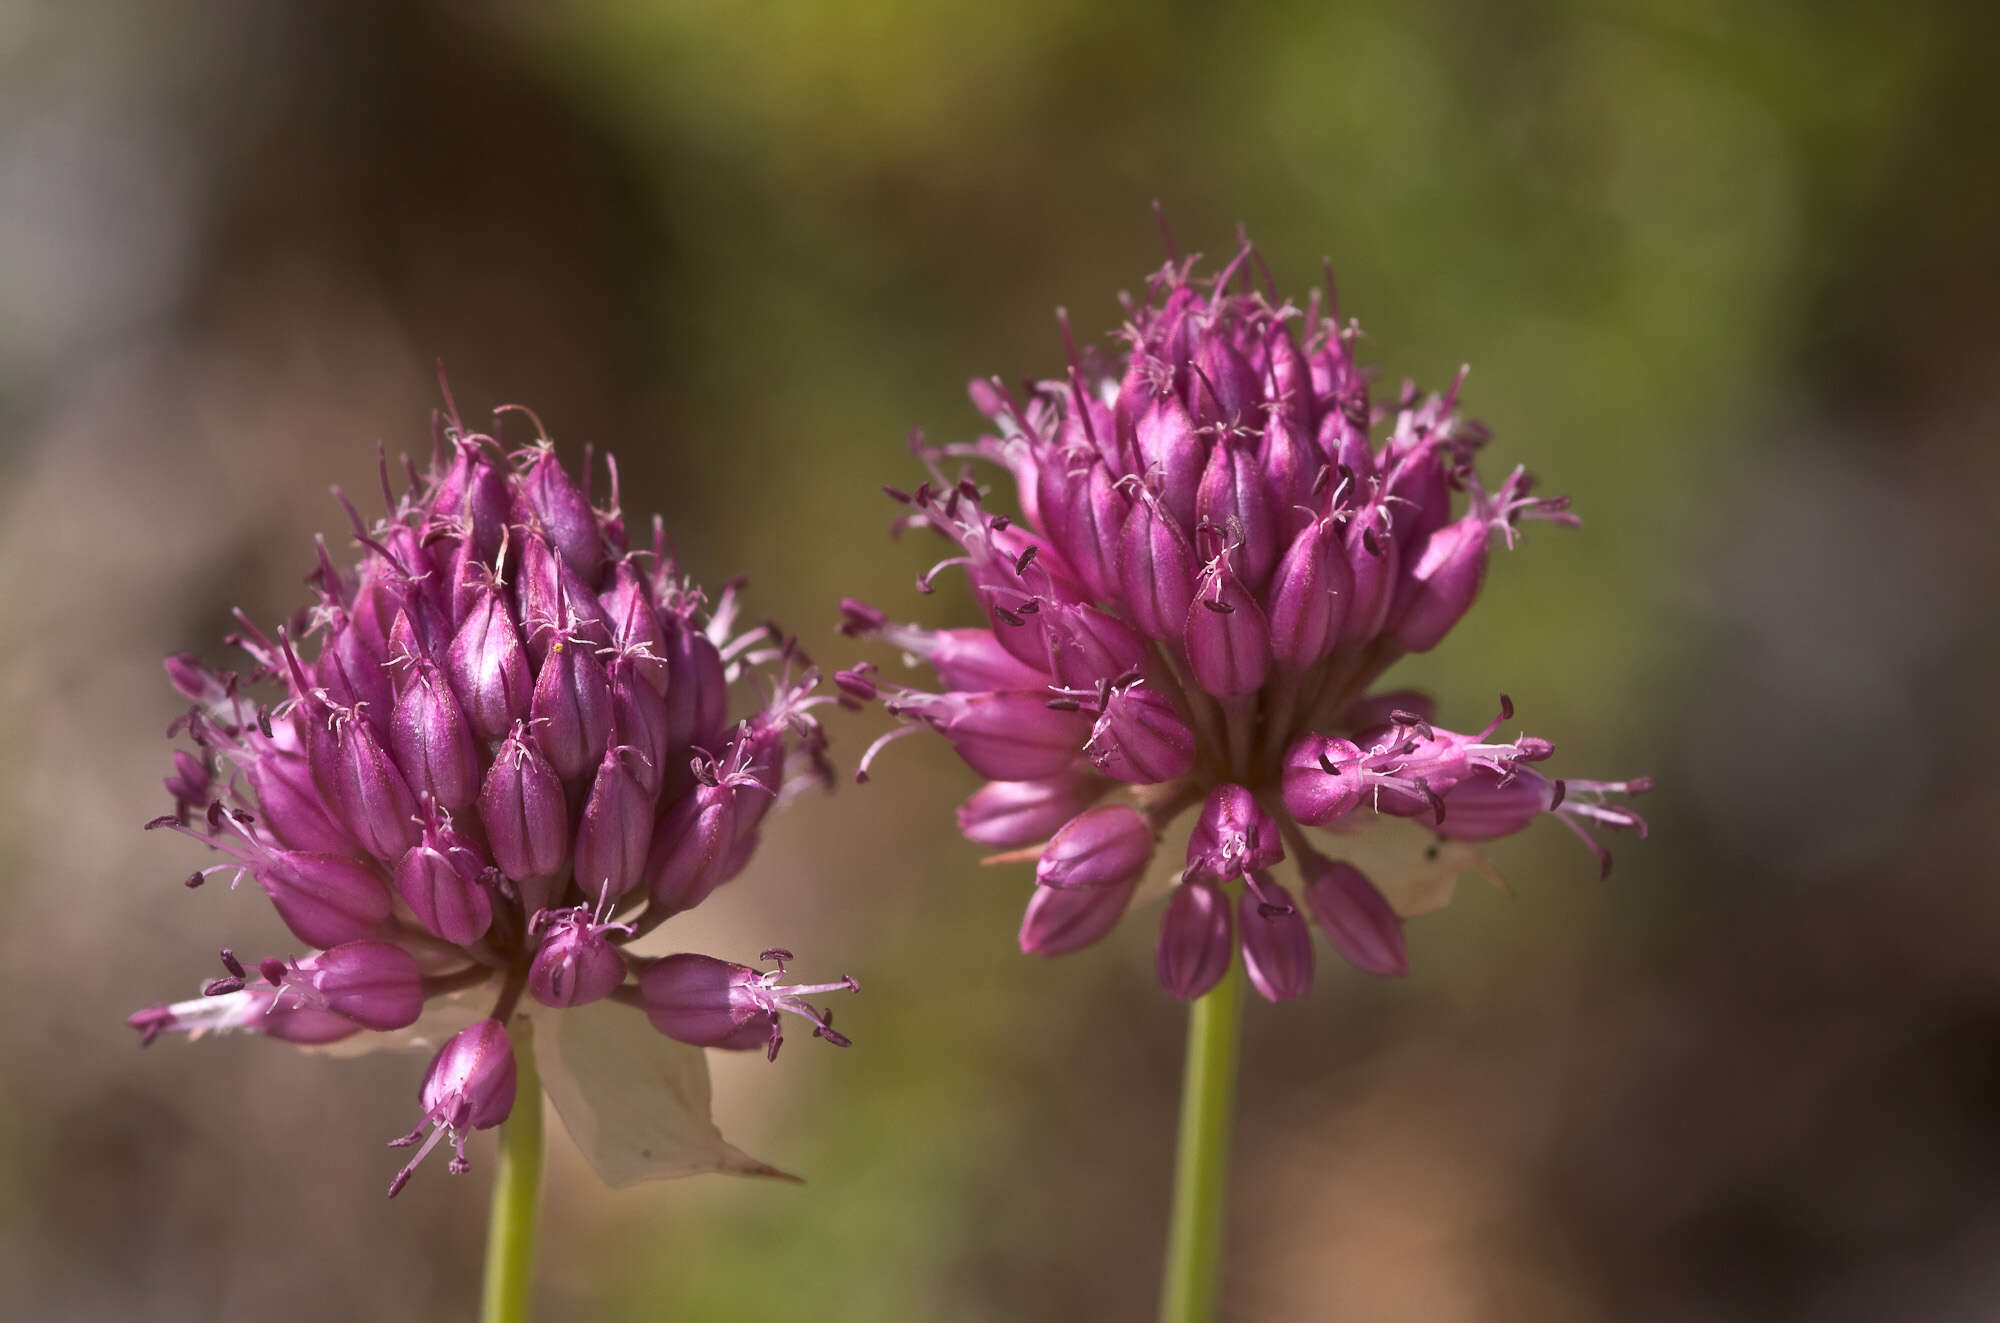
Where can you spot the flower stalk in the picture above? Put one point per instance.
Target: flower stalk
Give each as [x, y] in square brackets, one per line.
[1201, 1161]
[517, 1184]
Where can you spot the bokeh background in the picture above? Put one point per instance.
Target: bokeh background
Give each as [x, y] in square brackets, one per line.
[1724, 272]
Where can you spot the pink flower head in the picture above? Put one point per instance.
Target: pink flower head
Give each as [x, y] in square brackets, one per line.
[486, 756]
[1218, 541]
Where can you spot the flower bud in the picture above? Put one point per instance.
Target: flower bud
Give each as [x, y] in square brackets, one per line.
[547, 498]
[1224, 389]
[1228, 638]
[616, 829]
[699, 999]
[1421, 495]
[1291, 465]
[697, 689]
[521, 806]
[192, 783]
[1291, 381]
[1232, 837]
[1062, 920]
[972, 659]
[325, 899]
[1087, 645]
[1309, 596]
[440, 879]
[1099, 847]
[1373, 558]
[1233, 497]
[1196, 940]
[375, 984]
[488, 667]
[713, 1003]
[1323, 779]
[1277, 946]
[690, 842]
[362, 784]
[1450, 568]
[1486, 806]
[469, 1086]
[1170, 455]
[639, 722]
[433, 741]
[474, 493]
[1155, 569]
[352, 678]
[1140, 739]
[292, 807]
[1011, 813]
[1083, 511]
[1355, 916]
[553, 601]
[634, 624]
[570, 712]
[1007, 736]
[576, 962]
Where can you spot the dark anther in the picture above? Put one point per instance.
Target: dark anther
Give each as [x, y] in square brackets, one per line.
[1029, 607]
[164, 820]
[194, 880]
[215, 812]
[1639, 785]
[968, 489]
[1219, 606]
[924, 493]
[273, 970]
[242, 816]
[1368, 541]
[1556, 795]
[1063, 705]
[1432, 797]
[774, 953]
[220, 986]
[999, 523]
[951, 505]
[1024, 560]
[1328, 765]
[1008, 616]
[1270, 911]
[1402, 718]
[232, 964]
[1506, 708]
[264, 721]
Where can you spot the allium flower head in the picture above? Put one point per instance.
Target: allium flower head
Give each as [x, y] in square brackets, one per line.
[484, 759]
[1220, 539]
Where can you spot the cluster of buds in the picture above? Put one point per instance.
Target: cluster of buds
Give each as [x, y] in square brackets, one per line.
[1213, 562]
[491, 754]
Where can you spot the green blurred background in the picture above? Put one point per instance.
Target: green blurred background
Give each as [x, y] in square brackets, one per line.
[1724, 272]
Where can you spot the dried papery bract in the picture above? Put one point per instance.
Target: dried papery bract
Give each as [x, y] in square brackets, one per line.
[486, 757]
[1221, 536]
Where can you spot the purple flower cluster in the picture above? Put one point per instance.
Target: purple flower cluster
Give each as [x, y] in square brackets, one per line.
[1223, 541]
[500, 749]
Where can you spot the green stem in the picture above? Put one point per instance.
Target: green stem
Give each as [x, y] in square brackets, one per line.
[1208, 1097]
[510, 1234]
